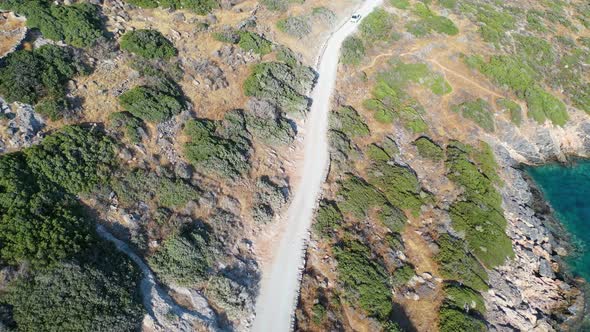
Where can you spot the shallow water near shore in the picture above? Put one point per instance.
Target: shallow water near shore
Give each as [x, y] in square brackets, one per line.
[567, 189]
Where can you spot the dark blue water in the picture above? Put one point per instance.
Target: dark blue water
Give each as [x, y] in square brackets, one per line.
[568, 191]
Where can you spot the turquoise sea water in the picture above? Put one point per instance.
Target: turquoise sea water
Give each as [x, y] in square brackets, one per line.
[568, 191]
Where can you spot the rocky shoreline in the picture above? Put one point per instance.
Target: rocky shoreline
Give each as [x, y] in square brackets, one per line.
[534, 291]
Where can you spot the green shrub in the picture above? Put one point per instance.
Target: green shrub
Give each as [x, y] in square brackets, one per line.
[74, 158]
[200, 7]
[535, 21]
[209, 150]
[130, 125]
[478, 111]
[78, 25]
[150, 44]
[399, 184]
[464, 298]
[319, 313]
[270, 129]
[401, 4]
[536, 51]
[348, 121]
[250, 41]
[430, 22]
[377, 153]
[295, 26]
[523, 80]
[495, 22]
[279, 5]
[54, 109]
[479, 215]
[428, 149]
[513, 108]
[73, 297]
[453, 320]
[402, 275]
[455, 263]
[183, 259]
[377, 26]
[285, 85]
[365, 280]
[140, 185]
[153, 103]
[353, 51]
[327, 219]
[39, 76]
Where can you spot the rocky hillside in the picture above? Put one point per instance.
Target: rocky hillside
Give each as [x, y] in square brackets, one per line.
[426, 222]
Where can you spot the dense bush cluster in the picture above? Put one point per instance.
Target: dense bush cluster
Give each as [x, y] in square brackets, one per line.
[365, 280]
[200, 7]
[456, 263]
[399, 185]
[147, 43]
[283, 84]
[328, 218]
[156, 103]
[144, 186]
[183, 259]
[428, 149]
[429, 22]
[73, 280]
[75, 158]
[348, 121]
[219, 146]
[479, 214]
[461, 310]
[78, 25]
[40, 77]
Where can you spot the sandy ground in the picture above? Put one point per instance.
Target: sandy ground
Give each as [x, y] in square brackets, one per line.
[280, 281]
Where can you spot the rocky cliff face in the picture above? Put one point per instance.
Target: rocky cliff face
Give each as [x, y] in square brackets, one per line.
[530, 292]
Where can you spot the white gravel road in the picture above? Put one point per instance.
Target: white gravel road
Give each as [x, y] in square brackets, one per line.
[280, 282]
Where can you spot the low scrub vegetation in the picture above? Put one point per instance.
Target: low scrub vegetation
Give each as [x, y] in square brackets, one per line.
[131, 126]
[428, 149]
[523, 80]
[283, 84]
[377, 26]
[150, 44]
[143, 186]
[248, 41]
[478, 111]
[430, 22]
[40, 77]
[364, 278]
[479, 213]
[353, 51]
[390, 101]
[399, 185]
[183, 259]
[279, 5]
[296, 26]
[348, 121]
[328, 219]
[219, 146]
[456, 263]
[200, 7]
[78, 25]
[514, 110]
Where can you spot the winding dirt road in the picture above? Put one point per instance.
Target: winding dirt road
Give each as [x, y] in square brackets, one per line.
[280, 282]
